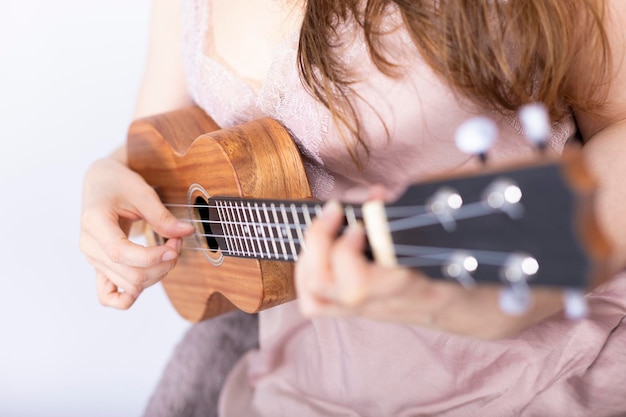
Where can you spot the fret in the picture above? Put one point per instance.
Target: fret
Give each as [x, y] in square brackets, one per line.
[262, 228]
[228, 232]
[223, 217]
[294, 213]
[307, 215]
[350, 215]
[279, 230]
[239, 249]
[269, 228]
[283, 211]
[243, 231]
[252, 230]
[245, 228]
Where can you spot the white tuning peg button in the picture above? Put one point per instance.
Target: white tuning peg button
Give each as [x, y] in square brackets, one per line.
[536, 122]
[504, 195]
[475, 136]
[515, 300]
[443, 204]
[459, 267]
[575, 305]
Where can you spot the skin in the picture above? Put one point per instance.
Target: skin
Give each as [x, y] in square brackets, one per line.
[332, 277]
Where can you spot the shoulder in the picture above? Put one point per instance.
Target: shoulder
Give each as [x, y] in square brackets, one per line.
[613, 109]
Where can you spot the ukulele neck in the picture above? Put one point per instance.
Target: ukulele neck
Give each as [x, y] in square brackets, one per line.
[261, 229]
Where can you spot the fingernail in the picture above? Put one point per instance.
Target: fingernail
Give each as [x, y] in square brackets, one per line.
[169, 256]
[183, 225]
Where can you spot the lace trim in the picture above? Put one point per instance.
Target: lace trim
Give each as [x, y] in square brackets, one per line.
[230, 100]
[562, 131]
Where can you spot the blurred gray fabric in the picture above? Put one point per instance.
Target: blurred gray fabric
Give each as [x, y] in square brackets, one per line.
[192, 380]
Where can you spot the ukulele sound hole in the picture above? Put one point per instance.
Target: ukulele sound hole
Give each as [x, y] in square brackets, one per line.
[202, 209]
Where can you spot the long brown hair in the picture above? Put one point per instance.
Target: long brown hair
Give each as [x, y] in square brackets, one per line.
[468, 44]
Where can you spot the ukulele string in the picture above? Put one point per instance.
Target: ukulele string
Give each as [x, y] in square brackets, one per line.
[467, 211]
[408, 255]
[261, 255]
[485, 257]
[399, 218]
[316, 208]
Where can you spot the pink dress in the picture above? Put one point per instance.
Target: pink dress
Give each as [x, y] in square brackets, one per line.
[357, 367]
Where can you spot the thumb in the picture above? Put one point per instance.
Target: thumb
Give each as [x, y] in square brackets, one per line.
[161, 219]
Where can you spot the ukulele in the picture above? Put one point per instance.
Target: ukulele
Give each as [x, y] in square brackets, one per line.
[246, 192]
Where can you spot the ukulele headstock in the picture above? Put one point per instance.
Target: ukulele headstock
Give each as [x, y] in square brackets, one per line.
[517, 226]
[520, 226]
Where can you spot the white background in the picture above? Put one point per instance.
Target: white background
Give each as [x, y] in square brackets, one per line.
[69, 72]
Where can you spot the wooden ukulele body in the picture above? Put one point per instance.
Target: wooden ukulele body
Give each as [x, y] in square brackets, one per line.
[175, 154]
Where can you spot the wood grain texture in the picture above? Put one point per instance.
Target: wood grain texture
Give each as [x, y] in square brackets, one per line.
[259, 160]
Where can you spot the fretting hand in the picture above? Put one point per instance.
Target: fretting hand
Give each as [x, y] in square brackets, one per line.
[333, 278]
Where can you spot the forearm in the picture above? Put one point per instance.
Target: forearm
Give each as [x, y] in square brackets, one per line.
[605, 154]
[163, 87]
[604, 131]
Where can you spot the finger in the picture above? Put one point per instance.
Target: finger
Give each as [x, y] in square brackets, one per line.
[132, 279]
[357, 280]
[118, 249]
[135, 280]
[350, 268]
[377, 192]
[157, 215]
[174, 243]
[118, 280]
[320, 237]
[101, 228]
[110, 296]
[313, 267]
[324, 229]
[318, 240]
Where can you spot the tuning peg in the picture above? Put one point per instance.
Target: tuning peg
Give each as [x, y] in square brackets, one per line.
[515, 300]
[504, 195]
[460, 267]
[575, 305]
[443, 204]
[475, 136]
[536, 122]
[519, 268]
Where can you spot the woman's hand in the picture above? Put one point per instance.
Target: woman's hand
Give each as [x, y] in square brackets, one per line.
[113, 198]
[333, 278]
